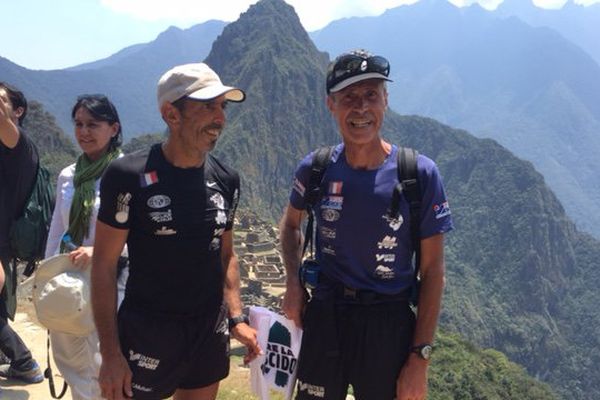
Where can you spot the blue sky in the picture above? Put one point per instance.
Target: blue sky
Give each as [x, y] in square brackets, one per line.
[54, 34]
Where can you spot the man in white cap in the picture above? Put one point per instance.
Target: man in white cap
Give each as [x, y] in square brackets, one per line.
[174, 206]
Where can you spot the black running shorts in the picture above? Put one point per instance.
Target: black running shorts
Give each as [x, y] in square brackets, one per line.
[169, 353]
[353, 344]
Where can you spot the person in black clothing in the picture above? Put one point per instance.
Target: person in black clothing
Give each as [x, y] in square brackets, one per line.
[174, 206]
[18, 169]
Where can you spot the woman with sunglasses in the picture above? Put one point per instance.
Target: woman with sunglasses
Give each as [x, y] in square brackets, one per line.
[98, 134]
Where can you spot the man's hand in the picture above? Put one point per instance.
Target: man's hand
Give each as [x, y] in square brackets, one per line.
[115, 378]
[246, 335]
[294, 301]
[412, 382]
[81, 256]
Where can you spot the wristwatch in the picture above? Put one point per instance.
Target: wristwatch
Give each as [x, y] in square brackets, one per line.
[233, 321]
[423, 350]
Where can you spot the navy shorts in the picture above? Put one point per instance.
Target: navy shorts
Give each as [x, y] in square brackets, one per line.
[169, 353]
[353, 344]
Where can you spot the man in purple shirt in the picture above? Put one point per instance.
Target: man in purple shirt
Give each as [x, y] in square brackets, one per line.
[359, 328]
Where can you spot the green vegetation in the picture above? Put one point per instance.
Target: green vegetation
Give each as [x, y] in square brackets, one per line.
[520, 278]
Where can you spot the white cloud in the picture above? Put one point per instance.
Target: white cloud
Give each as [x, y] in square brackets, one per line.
[314, 14]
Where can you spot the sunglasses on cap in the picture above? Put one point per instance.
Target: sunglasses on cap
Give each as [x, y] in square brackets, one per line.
[351, 65]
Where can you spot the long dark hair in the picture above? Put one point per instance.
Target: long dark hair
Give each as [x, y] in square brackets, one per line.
[102, 109]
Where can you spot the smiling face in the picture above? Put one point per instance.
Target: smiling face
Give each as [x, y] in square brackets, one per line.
[359, 110]
[92, 135]
[201, 124]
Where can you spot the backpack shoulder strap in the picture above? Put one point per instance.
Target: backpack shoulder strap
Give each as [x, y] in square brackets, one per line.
[320, 162]
[409, 185]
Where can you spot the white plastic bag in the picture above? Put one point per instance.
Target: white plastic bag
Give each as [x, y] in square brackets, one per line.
[280, 340]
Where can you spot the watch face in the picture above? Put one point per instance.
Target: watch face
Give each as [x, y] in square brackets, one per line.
[426, 352]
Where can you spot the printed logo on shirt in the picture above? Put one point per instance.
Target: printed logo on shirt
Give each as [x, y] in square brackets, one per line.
[388, 243]
[221, 218]
[441, 210]
[299, 187]
[327, 233]
[335, 187]
[161, 216]
[211, 184]
[311, 390]
[148, 178]
[385, 257]
[218, 200]
[144, 361]
[141, 388]
[164, 231]
[394, 223]
[333, 202]
[215, 244]
[122, 214]
[159, 201]
[328, 250]
[218, 232]
[383, 272]
[330, 215]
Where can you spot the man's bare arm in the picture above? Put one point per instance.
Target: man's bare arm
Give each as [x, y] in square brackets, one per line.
[231, 293]
[290, 237]
[412, 382]
[115, 376]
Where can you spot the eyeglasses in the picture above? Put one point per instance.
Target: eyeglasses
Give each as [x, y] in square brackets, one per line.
[350, 65]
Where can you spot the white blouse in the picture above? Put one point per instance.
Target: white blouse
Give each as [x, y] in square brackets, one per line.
[60, 218]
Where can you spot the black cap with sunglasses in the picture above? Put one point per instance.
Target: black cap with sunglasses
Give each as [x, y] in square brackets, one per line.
[355, 66]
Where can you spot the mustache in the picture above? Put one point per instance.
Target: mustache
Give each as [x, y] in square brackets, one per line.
[214, 126]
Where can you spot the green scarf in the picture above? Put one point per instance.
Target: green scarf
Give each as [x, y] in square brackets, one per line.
[84, 197]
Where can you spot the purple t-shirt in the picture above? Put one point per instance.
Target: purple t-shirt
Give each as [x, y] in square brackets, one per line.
[358, 244]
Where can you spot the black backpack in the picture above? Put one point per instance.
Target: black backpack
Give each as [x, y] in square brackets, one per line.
[408, 186]
[29, 232]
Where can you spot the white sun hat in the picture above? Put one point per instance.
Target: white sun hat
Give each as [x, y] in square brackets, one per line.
[61, 296]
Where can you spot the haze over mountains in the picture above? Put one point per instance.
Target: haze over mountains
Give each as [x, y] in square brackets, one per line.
[521, 278]
[529, 88]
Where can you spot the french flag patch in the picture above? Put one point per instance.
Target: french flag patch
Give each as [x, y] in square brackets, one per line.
[148, 178]
[335, 187]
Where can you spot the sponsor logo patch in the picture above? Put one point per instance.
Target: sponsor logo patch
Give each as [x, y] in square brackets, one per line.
[385, 257]
[141, 388]
[161, 216]
[383, 272]
[388, 243]
[441, 210]
[328, 233]
[122, 214]
[144, 361]
[218, 201]
[159, 201]
[164, 231]
[328, 250]
[311, 390]
[330, 215]
[333, 202]
[394, 223]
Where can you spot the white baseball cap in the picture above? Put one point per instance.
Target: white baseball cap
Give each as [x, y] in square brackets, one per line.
[196, 81]
[61, 296]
